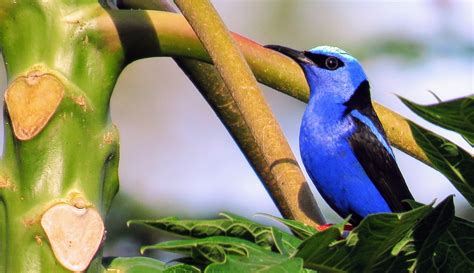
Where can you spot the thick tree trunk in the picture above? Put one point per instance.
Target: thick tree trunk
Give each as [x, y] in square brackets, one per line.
[59, 170]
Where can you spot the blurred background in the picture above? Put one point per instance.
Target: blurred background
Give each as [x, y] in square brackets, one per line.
[177, 159]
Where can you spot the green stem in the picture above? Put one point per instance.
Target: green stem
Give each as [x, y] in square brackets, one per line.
[270, 68]
[210, 84]
[249, 101]
[60, 144]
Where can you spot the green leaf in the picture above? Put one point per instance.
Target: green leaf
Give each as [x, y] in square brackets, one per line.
[228, 254]
[242, 264]
[301, 230]
[215, 248]
[454, 162]
[427, 233]
[421, 240]
[285, 243]
[269, 238]
[456, 115]
[376, 245]
[454, 253]
[232, 226]
[319, 244]
[145, 265]
[454, 250]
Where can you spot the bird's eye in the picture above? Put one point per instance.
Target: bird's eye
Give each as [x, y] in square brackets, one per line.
[331, 63]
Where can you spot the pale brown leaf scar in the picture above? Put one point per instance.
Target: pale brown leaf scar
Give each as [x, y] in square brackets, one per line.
[75, 234]
[31, 101]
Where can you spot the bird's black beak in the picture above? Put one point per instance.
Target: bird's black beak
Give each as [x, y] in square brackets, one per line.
[296, 55]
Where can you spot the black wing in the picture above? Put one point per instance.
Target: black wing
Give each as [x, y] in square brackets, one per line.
[377, 161]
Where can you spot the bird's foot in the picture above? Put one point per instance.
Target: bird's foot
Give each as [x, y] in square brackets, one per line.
[347, 228]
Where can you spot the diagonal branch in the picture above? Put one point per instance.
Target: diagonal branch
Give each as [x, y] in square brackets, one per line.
[211, 86]
[176, 38]
[248, 100]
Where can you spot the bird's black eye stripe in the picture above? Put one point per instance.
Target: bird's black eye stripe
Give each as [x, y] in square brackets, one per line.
[324, 61]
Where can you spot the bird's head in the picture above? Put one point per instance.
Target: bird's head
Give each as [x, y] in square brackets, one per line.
[329, 70]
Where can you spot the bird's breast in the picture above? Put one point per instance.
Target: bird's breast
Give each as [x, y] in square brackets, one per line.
[327, 133]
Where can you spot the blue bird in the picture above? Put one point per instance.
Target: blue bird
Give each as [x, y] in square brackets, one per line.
[342, 143]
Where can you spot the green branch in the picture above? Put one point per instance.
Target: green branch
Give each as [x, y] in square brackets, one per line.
[288, 181]
[61, 151]
[177, 39]
[210, 84]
